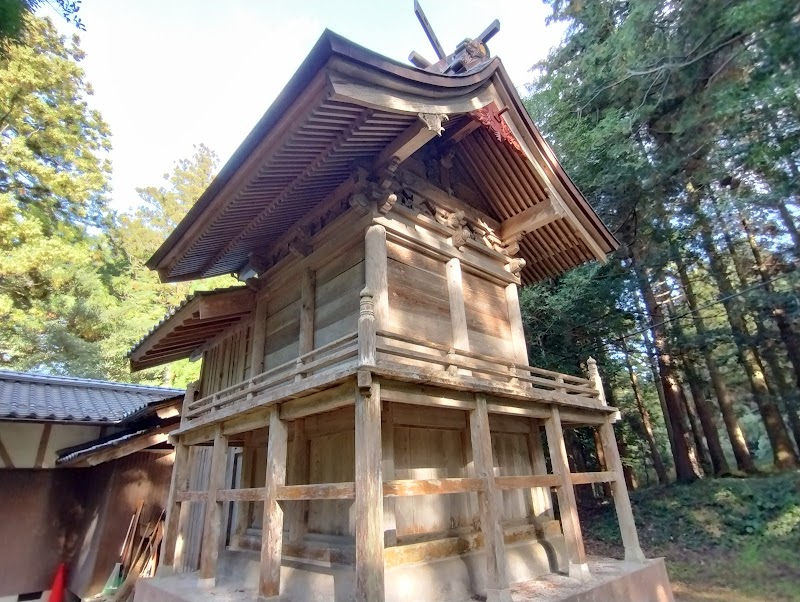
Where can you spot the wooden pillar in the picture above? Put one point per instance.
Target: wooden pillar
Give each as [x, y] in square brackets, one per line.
[188, 397]
[272, 523]
[179, 483]
[369, 495]
[387, 472]
[306, 340]
[298, 476]
[259, 335]
[594, 376]
[458, 314]
[567, 506]
[542, 498]
[375, 260]
[244, 516]
[517, 330]
[213, 518]
[490, 504]
[622, 502]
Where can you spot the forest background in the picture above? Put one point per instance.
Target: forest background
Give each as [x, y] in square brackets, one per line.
[680, 122]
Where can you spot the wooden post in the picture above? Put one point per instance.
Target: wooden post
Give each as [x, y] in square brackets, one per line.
[458, 313]
[298, 476]
[272, 523]
[244, 516]
[213, 518]
[179, 483]
[542, 498]
[567, 506]
[259, 336]
[306, 341]
[387, 471]
[376, 268]
[490, 504]
[622, 502]
[188, 397]
[594, 376]
[366, 330]
[369, 495]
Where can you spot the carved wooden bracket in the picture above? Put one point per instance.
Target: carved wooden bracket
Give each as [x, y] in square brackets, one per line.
[492, 117]
[434, 121]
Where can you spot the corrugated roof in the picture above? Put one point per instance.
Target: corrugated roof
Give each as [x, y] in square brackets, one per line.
[26, 396]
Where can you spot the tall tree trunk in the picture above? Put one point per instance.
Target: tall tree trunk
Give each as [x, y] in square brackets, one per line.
[782, 448]
[686, 470]
[712, 457]
[659, 385]
[788, 222]
[601, 462]
[790, 338]
[744, 460]
[647, 424]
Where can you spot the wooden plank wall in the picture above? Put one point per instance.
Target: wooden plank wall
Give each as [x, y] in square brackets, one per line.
[419, 304]
[488, 325]
[336, 299]
[228, 362]
[192, 537]
[429, 443]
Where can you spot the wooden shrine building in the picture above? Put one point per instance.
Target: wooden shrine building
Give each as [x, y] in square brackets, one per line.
[370, 424]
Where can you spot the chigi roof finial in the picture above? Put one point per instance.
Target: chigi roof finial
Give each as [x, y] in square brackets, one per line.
[469, 54]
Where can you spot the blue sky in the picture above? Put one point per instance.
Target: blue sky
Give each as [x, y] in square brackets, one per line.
[168, 74]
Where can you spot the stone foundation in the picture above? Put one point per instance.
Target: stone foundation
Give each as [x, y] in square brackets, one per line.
[452, 579]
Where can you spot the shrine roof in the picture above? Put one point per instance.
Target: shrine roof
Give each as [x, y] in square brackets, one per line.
[343, 108]
[201, 317]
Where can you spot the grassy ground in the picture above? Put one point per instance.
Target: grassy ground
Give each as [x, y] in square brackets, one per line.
[725, 540]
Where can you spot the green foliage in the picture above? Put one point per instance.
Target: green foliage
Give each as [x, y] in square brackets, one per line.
[53, 181]
[742, 534]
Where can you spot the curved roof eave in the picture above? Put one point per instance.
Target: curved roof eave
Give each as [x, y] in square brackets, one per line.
[328, 46]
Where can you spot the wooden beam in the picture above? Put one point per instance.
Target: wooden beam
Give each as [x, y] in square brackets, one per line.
[590, 478]
[213, 519]
[42, 449]
[318, 403]
[530, 219]
[411, 487]
[224, 304]
[622, 501]
[272, 523]
[406, 144]
[568, 507]
[317, 491]
[369, 495]
[191, 496]
[123, 448]
[528, 481]
[179, 482]
[490, 504]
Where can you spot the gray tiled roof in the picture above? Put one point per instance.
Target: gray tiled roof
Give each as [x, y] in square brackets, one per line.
[37, 397]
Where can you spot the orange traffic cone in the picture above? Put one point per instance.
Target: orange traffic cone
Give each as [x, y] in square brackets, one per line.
[59, 584]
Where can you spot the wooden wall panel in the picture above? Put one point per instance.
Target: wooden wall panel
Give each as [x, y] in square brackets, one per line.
[422, 453]
[332, 460]
[339, 284]
[419, 303]
[511, 458]
[487, 317]
[227, 363]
